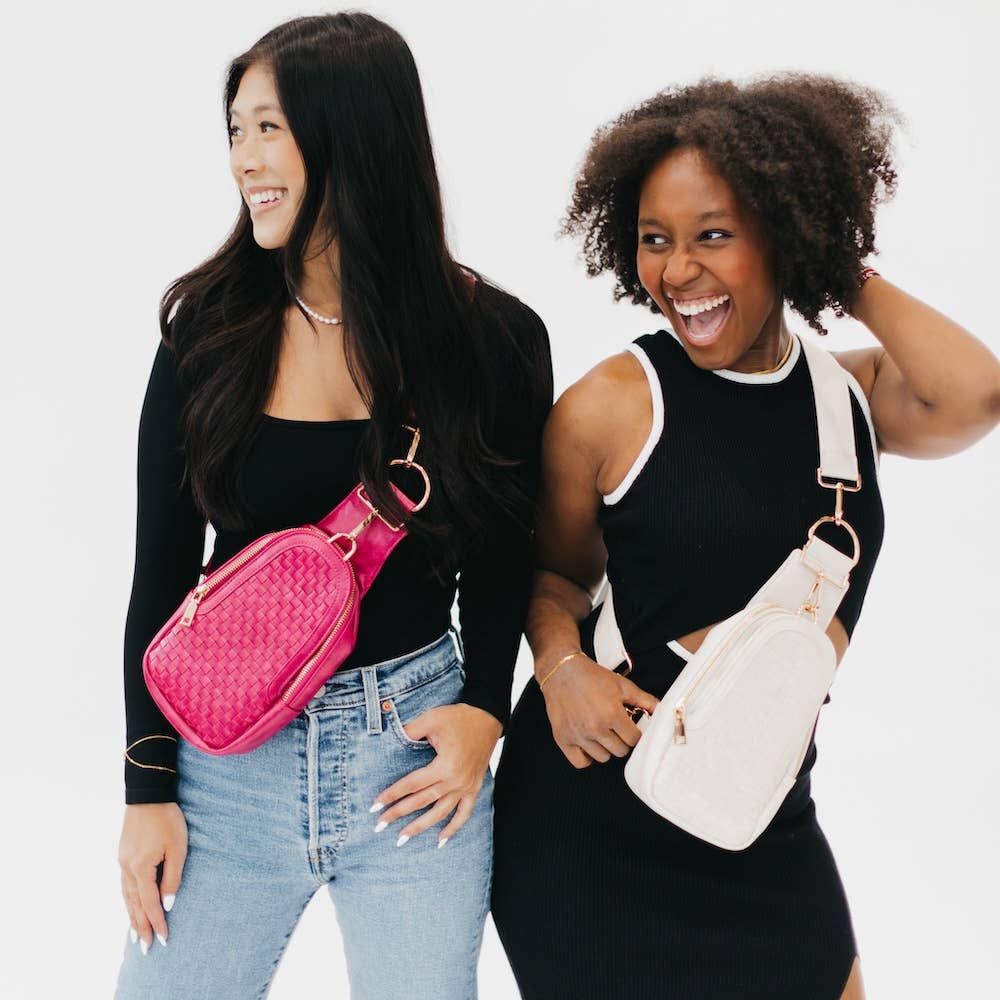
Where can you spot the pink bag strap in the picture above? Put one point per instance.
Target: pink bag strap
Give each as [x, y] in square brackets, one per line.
[359, 530]
[363, 535]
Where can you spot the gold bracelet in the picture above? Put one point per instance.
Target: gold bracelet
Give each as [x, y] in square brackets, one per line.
[558, 664]
[149, 767]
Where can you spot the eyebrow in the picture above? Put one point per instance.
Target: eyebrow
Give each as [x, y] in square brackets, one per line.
[704, 217]
[257, 110]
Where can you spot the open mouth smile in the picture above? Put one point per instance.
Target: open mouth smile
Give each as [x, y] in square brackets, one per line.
[703, 317]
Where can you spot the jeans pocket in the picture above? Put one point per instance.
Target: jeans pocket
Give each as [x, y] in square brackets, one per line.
[442, 689]
[398, 730]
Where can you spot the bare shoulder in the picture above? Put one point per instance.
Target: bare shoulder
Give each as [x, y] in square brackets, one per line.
[610, 398]
[862, 364]
[602, 422]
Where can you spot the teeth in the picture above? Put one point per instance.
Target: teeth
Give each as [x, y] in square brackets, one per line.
[262, 197]
[694, 306]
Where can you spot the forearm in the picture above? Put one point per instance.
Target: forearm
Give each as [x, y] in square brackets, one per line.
[944, 367]
[553, 625]
[170, 537]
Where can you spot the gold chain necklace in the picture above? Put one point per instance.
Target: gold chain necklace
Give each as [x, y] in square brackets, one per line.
[780, 364]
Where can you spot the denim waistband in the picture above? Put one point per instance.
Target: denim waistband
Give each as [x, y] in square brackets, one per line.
[389, 679]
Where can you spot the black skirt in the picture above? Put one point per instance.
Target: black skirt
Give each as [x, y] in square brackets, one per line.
[596, 897]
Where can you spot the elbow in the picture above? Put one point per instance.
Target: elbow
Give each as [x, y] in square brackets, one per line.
[991, 405]
[982, 403]
[994, 398]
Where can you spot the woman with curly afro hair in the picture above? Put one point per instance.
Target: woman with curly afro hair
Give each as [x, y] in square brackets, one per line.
[685, 470]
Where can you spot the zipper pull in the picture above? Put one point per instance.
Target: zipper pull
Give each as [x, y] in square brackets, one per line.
[192, 609]
[680, 736]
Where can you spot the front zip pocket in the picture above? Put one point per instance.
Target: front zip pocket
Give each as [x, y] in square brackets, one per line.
[716, 677]
[215, 580]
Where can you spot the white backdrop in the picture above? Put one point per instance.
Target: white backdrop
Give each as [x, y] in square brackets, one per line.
[115, 180]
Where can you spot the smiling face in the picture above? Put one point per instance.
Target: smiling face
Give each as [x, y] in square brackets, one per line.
[265, 159]
[705, 262]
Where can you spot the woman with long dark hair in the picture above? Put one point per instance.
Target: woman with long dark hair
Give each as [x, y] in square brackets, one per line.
[686, 469]
[291, 363]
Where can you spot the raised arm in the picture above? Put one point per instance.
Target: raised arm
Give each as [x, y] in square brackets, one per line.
[934, 389]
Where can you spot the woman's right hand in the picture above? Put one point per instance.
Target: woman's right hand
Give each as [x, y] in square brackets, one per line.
[152, 833]
[588, 707]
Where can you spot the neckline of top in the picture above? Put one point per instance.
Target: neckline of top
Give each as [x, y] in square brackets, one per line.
[757, 378]
[349, 423]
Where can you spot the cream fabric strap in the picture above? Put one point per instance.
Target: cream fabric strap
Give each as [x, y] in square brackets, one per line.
[838, 458]
[818, 572]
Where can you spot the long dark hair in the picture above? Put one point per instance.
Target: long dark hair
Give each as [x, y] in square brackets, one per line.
[416, 348]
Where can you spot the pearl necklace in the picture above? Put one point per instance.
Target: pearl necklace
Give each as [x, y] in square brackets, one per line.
[329, 320]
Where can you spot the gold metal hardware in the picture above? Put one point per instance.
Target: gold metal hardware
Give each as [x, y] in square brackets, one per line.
[409, 463]
[823, 481]
[840, 486]
[810, 606]
[680, 733]
[422, 502]
[411, 454]
[349, 553]
[366, 500]
[831, 519]
[192, 609]
[330, 636]
[752, 617]
[227, 570]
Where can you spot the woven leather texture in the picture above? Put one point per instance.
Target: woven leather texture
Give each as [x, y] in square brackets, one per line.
[287, 600]
[220, 676]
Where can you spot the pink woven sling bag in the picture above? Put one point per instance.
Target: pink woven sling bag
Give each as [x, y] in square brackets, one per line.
[256, 639]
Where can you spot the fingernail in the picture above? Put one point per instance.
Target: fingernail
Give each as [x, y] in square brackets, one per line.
[378, 807]
[133, 934]
[403, 838]
[443, 841]
[168, 901]
[143, 947]
[381, 826]
[161, 939]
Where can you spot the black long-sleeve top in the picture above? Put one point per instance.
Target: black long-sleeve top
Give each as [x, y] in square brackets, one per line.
[294, 473]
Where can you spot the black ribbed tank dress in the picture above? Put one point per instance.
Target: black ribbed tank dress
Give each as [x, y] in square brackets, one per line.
[596, 897]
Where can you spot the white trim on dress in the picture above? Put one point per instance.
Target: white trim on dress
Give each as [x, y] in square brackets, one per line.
[656, 394]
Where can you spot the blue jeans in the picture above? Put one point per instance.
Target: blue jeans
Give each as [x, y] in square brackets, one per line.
[267, 828]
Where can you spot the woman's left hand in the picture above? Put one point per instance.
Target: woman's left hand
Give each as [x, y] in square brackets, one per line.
[463, 738]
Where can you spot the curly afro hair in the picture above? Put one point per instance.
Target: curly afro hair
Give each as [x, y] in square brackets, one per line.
[811, 156]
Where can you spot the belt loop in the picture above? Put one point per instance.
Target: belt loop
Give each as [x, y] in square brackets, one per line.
[373, 710]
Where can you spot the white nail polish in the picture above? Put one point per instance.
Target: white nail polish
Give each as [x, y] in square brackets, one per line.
[133, 934]
[161, 939]
[168, 901]
[378, 807]
[403, 838]
[443, 841]
[143, 947]
[381, 826]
